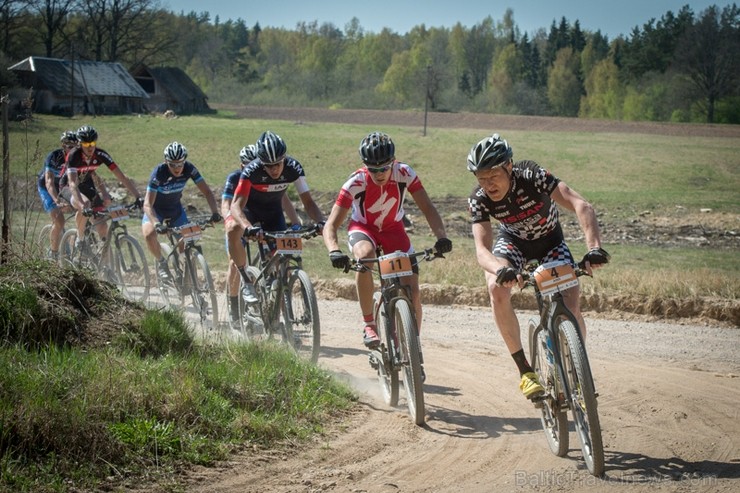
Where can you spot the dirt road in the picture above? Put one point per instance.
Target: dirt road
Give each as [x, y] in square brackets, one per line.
[669, 397]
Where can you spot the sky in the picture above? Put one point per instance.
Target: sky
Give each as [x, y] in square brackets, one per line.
[611, 17]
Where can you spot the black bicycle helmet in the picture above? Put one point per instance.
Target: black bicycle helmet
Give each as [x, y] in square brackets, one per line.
[87, 133]
[270, 147]
[248, 154]
[377, 148]
[69, 138]
[175, 152]
[488, 153]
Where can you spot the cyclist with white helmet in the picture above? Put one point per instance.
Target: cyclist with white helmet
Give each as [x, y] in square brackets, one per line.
[163, 200]
[523, 198]
[247, 154]
[258, 200]
[373, 197]
[83, 182]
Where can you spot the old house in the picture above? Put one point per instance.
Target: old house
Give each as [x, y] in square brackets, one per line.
[89, 87]
[170, 88]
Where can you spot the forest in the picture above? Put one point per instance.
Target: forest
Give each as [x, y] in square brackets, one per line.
[682, 67]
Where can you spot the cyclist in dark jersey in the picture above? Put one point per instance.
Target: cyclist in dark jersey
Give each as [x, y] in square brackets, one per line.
[163, 199]
[81, 164]
[523, 198]
[49, 189]
[247, 154]
[258, 200]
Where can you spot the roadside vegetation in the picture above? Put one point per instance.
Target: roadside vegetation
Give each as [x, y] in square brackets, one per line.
[95, 390]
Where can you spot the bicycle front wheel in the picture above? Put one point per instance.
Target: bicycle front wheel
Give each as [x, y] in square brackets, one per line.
[72, 256]
[132, 271]
[203, 293]
[387, 374]
[582, 395]
[167, 288]
[301, 315]
[554, 418]
[408, 342]
[43, 241]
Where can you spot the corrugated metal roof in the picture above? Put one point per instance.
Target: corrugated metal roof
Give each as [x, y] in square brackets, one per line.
[93, 78]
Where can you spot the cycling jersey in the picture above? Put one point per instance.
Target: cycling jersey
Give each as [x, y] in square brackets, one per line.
[231, 183]
[169, 187]
[377, 209]
[265, 194]
[54, 162]
[527, 212]
[79, 164]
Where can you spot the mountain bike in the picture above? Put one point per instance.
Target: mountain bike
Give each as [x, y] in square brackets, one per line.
[400, 349]
[287, 308]
[118, 259]
[559, 358]
[43, 239]
[190, 275]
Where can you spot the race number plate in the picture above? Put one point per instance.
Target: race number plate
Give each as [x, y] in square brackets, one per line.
[288, 244]
[118, 213]
[191, 233]
[555, 276]
[396, 264]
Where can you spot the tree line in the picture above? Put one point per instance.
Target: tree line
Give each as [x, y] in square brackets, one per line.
[682, 67]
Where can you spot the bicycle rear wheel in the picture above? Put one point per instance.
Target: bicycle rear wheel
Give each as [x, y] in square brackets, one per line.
[203, 294]
[387, 375]
[408, 343]
[301, 316]
[131, 267]
[554, 418]
[582, 395]
[167, 288]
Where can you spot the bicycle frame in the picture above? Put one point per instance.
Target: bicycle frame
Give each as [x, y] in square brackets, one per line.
[564, 371]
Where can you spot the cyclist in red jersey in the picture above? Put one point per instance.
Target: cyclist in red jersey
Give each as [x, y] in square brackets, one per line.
[374, 196]
[523, 197]
[82, 162]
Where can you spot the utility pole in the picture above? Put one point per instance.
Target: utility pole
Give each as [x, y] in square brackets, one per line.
[426, 99]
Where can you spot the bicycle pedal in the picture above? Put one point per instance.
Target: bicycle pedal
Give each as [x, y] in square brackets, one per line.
[373, 361]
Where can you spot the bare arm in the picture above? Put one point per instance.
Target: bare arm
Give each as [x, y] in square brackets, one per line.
[237, 211]
[126, 182]
[49, 179]
[289, 210]
[483, 238]
[311, 207]
[337, 216]
[569, 199]
[149, 206]
[208, 194]
[430, 213]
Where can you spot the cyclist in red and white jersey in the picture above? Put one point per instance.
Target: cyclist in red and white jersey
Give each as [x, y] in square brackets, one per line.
[374, 196]
[523, 198]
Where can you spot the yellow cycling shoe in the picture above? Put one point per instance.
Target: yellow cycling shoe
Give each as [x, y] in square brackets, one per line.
[530, 386]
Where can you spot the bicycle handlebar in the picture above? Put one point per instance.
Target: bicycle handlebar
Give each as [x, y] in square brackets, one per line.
[360, 265]
[528, 271]
[305, 232]
[98, 212]
[203, 223]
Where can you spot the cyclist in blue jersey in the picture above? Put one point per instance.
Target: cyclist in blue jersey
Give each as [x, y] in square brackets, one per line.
[247, 154]
[163, 199]
[84, 184]
[523, 198]
[258, 200]
[49, 190]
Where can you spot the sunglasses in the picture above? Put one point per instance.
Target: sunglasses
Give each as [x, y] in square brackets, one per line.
[273, 165]
[379, 169]
[176, 164]
[88, 144]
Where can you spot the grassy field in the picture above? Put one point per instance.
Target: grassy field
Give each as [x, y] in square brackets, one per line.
[621, 174]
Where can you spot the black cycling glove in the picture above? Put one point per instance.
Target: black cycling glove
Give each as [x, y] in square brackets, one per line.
[505, 274]
[339, 260]
[139, 203]
[253, 231]
[443, 245]
[596, 256]
[160, 228]
[215, 217]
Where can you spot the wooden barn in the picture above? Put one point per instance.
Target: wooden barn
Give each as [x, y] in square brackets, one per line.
[170, 88]
[98, 88]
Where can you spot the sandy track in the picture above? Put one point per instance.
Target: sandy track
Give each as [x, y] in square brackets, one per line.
[668, 402]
